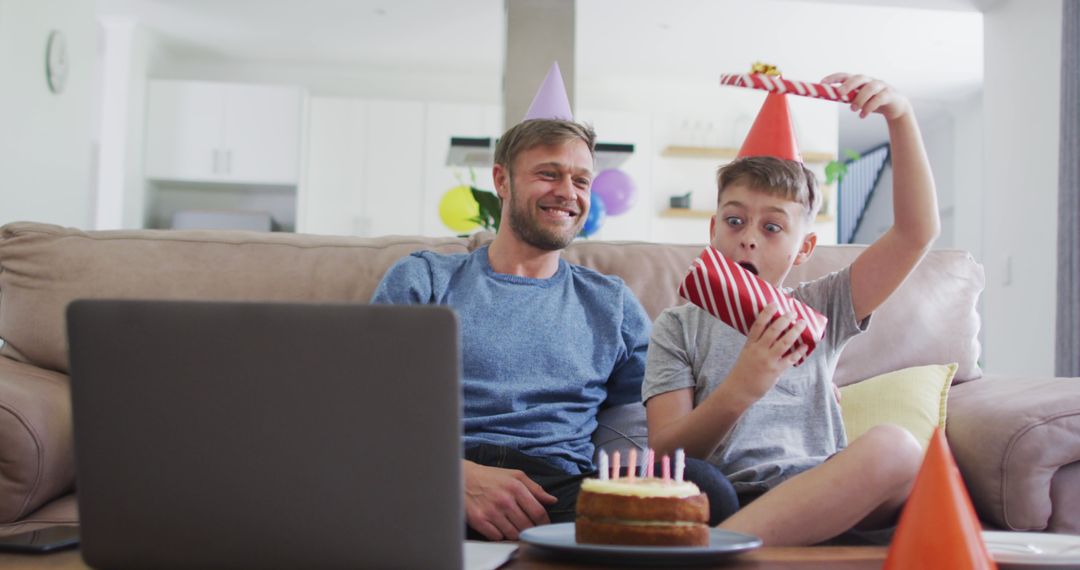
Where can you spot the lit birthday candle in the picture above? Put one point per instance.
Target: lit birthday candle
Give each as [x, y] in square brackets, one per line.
[650, 458]
[631, 464]
[603, 465]
[680, 464]
[615, 465]
[665, 467]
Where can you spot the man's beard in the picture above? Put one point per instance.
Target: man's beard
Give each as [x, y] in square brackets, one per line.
[523, 223]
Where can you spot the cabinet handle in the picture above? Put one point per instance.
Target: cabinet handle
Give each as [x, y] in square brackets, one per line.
[216, 162]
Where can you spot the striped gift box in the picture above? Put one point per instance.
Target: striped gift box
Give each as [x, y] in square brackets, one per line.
[778, 84]
[735, 296]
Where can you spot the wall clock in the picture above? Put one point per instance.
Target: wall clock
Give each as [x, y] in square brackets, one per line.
[56, 61]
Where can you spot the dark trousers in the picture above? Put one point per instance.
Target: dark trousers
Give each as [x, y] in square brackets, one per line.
[723, 501]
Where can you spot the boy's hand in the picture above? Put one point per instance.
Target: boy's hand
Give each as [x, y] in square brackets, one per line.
[874, 96]
[500, 503]
[768, 352]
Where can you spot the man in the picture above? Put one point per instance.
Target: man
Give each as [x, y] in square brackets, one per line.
[545, 344]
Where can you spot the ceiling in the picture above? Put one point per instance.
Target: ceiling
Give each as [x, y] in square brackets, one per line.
[931, 50]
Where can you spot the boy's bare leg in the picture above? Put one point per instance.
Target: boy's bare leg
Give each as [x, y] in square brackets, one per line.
[863, 486]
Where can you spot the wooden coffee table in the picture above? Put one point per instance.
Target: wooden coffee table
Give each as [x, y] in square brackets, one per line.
[530, 558]
[840, 557]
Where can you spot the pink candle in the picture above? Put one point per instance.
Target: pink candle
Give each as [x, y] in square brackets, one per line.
[615, 465]
[631, 464]
[650, 458]
[665, 466]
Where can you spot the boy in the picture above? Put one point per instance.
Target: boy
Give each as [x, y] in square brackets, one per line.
[739, 402]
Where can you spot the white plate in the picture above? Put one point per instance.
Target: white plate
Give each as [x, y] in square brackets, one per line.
[1033, 548]
[559, 539]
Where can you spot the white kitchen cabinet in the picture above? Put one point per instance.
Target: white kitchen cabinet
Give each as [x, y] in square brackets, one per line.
[223, 132]
[331, 197]
[364, 167]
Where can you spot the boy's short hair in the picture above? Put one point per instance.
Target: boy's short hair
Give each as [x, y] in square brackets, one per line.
[541, 132]
[776, 176]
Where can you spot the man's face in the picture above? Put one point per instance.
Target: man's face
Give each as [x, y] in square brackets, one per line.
[546, 201]
[765, 234]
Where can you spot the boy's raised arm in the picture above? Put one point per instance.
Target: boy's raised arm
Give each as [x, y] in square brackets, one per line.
[880, 270]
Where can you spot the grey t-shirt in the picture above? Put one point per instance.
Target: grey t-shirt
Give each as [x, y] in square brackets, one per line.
[797, 425]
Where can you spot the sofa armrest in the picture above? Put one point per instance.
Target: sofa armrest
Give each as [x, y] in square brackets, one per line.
[620, 428]
[36, 445]
[1010, 437]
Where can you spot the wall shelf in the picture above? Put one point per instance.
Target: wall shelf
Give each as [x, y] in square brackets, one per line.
[679, 151]
[686, 213]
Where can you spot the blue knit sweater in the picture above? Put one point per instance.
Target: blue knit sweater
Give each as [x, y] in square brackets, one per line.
[539, 356]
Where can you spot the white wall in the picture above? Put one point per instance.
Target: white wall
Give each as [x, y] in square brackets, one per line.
[1021, 122]
[954, 145]
[128, 50]
[939, 138]
[968, 170]
[45, 139]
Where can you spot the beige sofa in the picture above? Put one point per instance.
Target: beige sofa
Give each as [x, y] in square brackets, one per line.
[1017, 440]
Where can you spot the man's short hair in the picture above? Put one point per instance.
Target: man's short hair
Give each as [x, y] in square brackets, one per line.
[785, 178]
[541, 132]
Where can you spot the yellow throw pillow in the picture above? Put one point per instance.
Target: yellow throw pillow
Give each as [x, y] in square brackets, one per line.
[913, 398]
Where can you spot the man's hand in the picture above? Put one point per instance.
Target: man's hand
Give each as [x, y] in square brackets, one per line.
[768, 352]
[500, 503]
[875, 96]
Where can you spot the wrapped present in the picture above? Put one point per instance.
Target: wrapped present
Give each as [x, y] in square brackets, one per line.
[777, 84]
[736, 296]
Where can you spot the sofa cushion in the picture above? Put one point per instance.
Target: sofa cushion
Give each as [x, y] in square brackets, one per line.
[1064, 495]
[1012, 437]
[930, 319]
[63, 511]
[620, 428]
[36, 458]
[44, 267]
[912, 398]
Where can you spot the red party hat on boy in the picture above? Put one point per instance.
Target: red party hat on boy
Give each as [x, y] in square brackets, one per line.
[938, 527]
[550, 101]
[773, 132]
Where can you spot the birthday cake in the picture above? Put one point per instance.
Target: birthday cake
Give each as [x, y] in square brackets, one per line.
[642, 511]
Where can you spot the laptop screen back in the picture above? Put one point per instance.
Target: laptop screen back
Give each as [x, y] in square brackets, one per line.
[266, 435]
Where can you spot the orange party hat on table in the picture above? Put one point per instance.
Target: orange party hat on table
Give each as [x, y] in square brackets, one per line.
[938, 527]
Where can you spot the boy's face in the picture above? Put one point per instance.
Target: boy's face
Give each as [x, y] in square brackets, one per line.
[766, 234]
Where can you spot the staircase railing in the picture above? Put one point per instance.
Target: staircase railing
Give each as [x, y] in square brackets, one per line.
[857, 188]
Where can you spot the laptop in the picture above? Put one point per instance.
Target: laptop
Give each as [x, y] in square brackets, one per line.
[266, 435]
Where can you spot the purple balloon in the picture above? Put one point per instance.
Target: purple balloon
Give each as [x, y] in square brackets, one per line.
[617, 190]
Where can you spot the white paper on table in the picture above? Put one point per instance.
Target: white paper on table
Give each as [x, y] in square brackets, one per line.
[481, 555]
